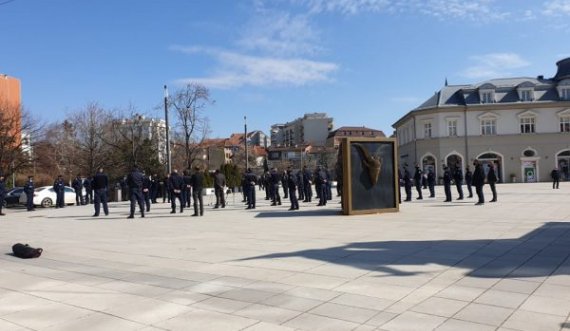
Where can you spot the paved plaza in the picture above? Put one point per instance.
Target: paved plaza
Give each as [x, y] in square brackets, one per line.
[434, 265]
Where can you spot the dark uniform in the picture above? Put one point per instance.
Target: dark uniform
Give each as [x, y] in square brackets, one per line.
[418, 182]
[197, 181]
[101, 187]
[146, 191]
[292, 184]
[187, 189]
[154, 185]
[2, 193]
[176, 187]
[250, 179]
[478, 182]
[77, 185]
[284, 184]
[59, 188]
[307, 182]
[321, 186]
[87, 183]
[407, 184]
[29, 190]
[555, 175]
[135, 184]
[275, 180]
[328, 185]
[492, 179]
[431, 183]
[458, 178]
[219, 184]
[469, 181]
[301, 185]
[447, 183]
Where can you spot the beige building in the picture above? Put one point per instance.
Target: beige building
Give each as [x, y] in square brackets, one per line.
[519, 125]
[311, 129]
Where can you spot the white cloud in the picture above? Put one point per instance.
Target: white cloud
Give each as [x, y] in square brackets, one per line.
[345, 6]
[494, 65]
[557, 8]
[236, 70]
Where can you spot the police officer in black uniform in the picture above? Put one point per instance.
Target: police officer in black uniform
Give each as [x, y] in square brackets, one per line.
[479, 181]
[59, 188]
[458, 178]
[146, 191]
[197, 181]
[77, 185]
[469, 181]
[101, 187]
[88, 185]
[135, 184]
[301, 185]
[292, 184]
[250, 180]
[321, 185]
[492, 180]
[407, 183]
[307, 182]
[176, 187]
[187, 179]
[431, 183]
[275, 180]
[447, 183]
[29, 191]
[219, 184]
[418, 181]
[285, 185]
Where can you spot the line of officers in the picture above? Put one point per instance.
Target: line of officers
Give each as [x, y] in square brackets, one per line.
[296, 184]
[476, 179]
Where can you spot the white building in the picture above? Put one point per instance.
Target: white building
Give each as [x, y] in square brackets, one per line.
[311, 129]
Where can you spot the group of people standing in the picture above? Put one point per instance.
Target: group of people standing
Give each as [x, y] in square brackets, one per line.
[476, 179]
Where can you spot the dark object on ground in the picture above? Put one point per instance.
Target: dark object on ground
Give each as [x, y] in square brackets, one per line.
[26, 252]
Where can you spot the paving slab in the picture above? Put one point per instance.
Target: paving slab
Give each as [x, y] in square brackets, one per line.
[433, 265]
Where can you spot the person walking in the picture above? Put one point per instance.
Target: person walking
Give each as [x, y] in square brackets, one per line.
[555, 175]
[250, 179]
[135, 184]
[469, 181]
[219, 184]
[59, 188]
[101, 187]
[197, 181]
[458, 178]
[29, 191]
[492, 180]
[292, 184]
[2, 192]
[478, 181]
[431, 183]
[447, 183]
[77, 185]
[418, 181]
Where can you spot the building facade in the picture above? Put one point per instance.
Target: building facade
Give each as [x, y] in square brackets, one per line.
[311, 129]
[520, 126]
[335, 137]
[11, 104]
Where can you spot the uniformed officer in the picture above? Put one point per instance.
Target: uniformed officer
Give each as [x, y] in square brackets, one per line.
[135, 184]
[284, 184]
[187, 179]
[29, 191]
[101, 187]
[469, 181]
[146, 191]
[447, 183]
[431, 183]
[292, 184]
[555, 175]
[197, 181]
[275, 180]
[154, 185]
[418, 181]
[492, 180]
[88, 185]
[479, 181]
[307, 182]
[59, 188]
[77, 185]
[301, 185]
[219, 184]
[250, 180]
[458, 178]
[2, 193]
[407, 183]
[321, 185]
[175, 187]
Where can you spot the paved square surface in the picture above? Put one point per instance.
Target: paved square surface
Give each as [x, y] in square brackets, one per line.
[434, 265]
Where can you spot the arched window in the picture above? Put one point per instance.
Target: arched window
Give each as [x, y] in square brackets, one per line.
[563, 163]
[529, 153]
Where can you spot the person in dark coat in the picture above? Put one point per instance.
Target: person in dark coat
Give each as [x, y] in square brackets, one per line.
[187, 188]
[400, 183]
[300, 185]
[431, 183]
[59, 188]
[321, 185]
[328, 185]
[101, 187]
[407, 183]
[197, 181]
[458, 178]
[29, 191]
[469, 181]
[447, 183]
[250, 180]
[219, 184]
[555, 175]
[88, 185]
[292, 184]
[284, 184]
[77, 185]
[266, 180]
[146, 191]
[175, 186]
[479, 181]
[275, 180]
[418, 181]
[135, 184]
[154, 188]
[124, 189]
[2, 193]
[307, 182]
[492, 180]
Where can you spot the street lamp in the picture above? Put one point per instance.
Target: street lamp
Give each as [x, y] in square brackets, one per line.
[168, 164]
[245, 142]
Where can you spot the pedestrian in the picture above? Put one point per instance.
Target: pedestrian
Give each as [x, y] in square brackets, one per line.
[285, 184]
[266, 182]
[219, 184]
[176, 187]
[187, 188]
[300, 185]
[321, 185]
[469, 181]
[308, 183]
[29, 191]
[478, 181]
[88, 185]
[400, 183]
[431, 183]
[447, 183]
[292, 184]
[555, 174]
[2, 192]
[165, 190]
[250, 180]
[135, 184]
[424, 181]
[197, 181]
[492, 180]
[407, 183]
[59, 188]
[146, 190]
[275, 180]
[101, 187]
[124, 189]
[328, 185]
[77, 185]
[418, 181]
[458, 178]
[154, 187]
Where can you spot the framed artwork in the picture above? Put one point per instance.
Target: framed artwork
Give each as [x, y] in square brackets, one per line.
[370, 176]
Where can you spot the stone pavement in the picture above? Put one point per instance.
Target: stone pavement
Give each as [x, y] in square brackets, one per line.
[434, 265]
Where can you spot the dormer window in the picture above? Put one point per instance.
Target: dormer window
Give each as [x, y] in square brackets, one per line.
[564, 90]
[487, 97]
[526, 95]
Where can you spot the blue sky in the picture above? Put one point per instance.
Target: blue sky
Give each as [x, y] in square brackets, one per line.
[364, 62]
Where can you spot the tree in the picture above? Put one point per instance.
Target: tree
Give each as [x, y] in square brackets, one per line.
[192, 124]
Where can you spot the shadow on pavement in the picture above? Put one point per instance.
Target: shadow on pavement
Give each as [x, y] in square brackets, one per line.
[297, 213]
[536, 254]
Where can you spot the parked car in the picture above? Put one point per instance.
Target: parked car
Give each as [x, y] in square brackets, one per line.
[13, 196]
[45, 196]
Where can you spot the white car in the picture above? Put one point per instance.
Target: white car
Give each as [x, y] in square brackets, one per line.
[45, 196]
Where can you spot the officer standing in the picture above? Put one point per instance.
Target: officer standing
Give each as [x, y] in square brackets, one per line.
[135, 183]
[292, 185]
[197, 181]
[77, 185]
[250, 180]
[175, 187]
[187, 188]
[321, 185]
[59, 188]
[469, 181]
[100, 186]
[407, 183]
[124, 188]
[418, 181]
[431, 183]
[492, 180]
[284, 184]
[301, 185]
[146, 191]
[154, 185]
[2, 193]
[29, 190]
[555, 175]
[275, 180]
[479, 181]
[458, 178]
[219, 184]
[307, 182]
[447, 183]
[88, 185]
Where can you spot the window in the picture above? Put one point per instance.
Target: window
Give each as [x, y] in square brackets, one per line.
[565, 93]
[488, 127]
[487, 97]
[565, 124]
[527, 125]
[452, 128]
[427, 130]
[526, 95]
[529, 153]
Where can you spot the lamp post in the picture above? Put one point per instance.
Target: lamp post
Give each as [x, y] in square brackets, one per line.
[168, 164]
[245, 142]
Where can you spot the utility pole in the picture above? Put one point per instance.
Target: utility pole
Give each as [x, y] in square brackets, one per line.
[245, 142]
[168, 164]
